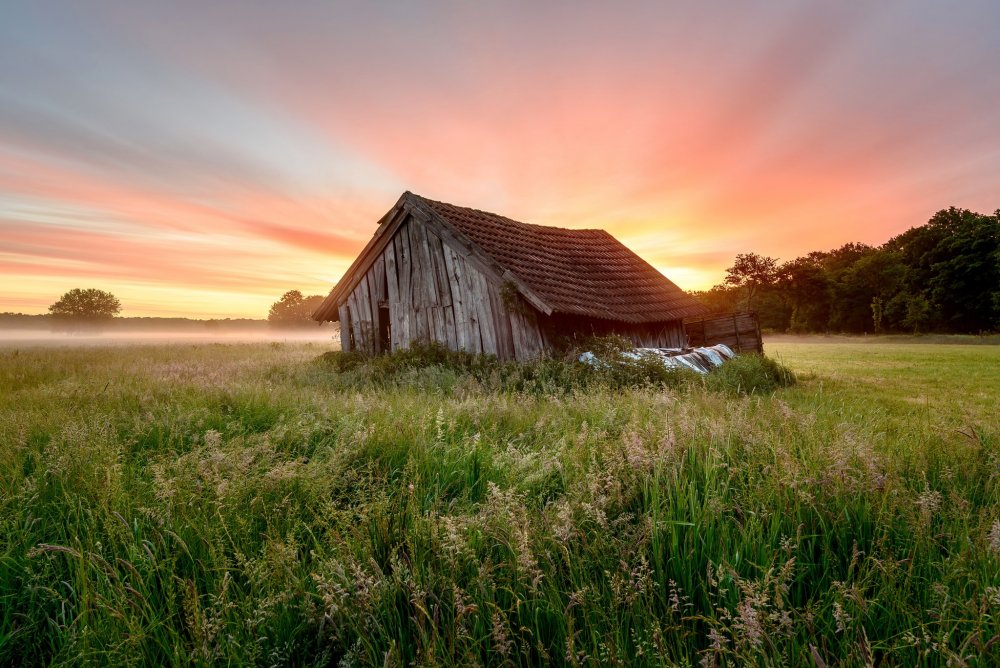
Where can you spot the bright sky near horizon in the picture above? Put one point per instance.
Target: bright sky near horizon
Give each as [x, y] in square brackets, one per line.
[201, 158]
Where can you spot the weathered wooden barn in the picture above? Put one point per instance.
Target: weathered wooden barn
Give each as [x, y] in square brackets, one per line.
[481, 282]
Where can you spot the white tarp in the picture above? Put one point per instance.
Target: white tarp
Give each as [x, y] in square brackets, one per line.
[701, 360]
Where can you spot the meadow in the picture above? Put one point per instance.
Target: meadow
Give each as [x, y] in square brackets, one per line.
[263, 504]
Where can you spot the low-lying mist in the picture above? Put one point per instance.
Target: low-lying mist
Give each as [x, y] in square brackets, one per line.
[37, 337]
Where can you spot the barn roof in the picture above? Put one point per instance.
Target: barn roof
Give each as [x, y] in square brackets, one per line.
[574, 272]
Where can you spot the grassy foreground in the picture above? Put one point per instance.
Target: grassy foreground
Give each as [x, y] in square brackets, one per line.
[248, 504]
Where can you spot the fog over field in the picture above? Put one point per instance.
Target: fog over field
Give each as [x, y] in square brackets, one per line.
[47, 338]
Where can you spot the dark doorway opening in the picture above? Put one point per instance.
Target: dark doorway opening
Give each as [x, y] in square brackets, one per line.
[351, 343]
[384, 330]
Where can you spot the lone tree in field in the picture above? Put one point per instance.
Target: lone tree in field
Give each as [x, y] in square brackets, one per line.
[85, 308]
[752, 272]
[294, 310]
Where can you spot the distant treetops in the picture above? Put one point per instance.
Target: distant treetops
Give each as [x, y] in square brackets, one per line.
[943, 276]
[294, 310]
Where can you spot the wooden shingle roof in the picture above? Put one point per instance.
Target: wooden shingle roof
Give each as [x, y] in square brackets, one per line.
[577, 272]
[573, 272]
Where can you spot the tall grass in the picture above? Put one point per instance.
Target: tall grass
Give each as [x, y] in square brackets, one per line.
[263, 505]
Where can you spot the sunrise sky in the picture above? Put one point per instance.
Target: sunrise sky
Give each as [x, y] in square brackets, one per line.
[201, 158]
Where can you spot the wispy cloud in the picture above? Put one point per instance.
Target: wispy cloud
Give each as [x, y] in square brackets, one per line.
[231, 152]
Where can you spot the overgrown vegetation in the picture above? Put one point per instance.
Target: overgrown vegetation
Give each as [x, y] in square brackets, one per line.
[247, 504]
[750, 374]
[943, 276]
[433, 366]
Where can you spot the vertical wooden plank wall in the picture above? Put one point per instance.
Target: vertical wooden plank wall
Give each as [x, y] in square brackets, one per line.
[392, 290]
[435, 294]
[670, 335]
[377, 290]
[345, 328]
[739, 331]
[402, 248]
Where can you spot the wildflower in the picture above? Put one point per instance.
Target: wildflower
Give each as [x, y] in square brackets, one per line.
[332, 594]
[629, 584]
[856, 555]
[562, 526]
[636, 453]
[678, 600]
[576, 598]
[786, 411]
[668, 444]
[501, 642]
[453, 542]
[526, 560]
[784, 576]
[439, 425]
[463, 607]
[841, 617]
[596, 511]
[993, 537]
[784, 621]
[748, 623]
[213, 439]
[366, 585]
[574, 657]
[642, 576]
[929, 501]
[940, 591]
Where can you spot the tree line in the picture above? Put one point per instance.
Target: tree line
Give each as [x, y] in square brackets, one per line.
[93, 309]
[943, 276]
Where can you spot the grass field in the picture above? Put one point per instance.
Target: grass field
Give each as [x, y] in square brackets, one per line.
[246, 504]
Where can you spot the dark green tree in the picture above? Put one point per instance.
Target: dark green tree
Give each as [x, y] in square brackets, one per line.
[941, 276]
[919, 313]
[953, 264]
[84, 308]
[293, 310]
[966, 275]
[850, 294]
[875, 276]
[752, 273]
[806, 287]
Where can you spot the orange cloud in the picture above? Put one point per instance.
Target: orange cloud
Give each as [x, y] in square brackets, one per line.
[256, 154]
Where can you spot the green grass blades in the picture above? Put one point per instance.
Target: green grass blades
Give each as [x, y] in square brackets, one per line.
[259, 504]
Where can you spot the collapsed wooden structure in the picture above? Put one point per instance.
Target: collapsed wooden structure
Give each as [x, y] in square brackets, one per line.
[739, 331]
[484, 283]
